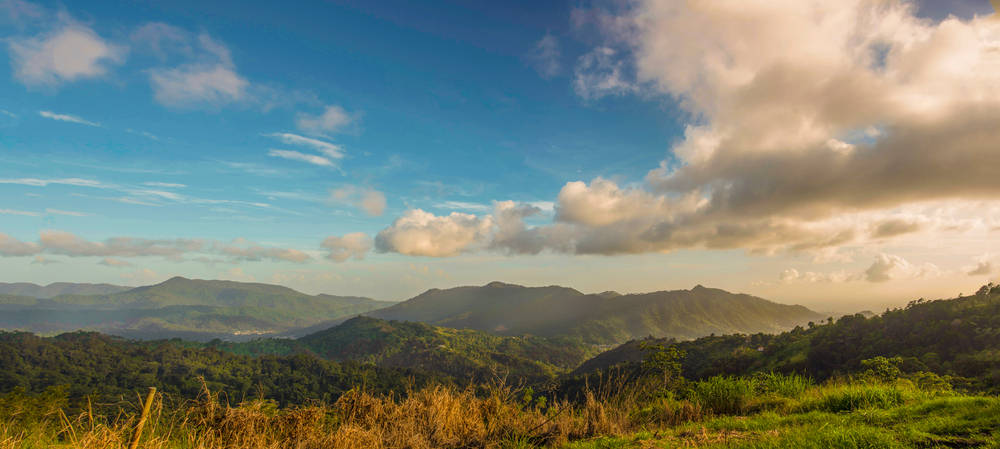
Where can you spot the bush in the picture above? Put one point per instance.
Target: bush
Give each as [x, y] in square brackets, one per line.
[724, 395]
[845, 398]
[784, 385]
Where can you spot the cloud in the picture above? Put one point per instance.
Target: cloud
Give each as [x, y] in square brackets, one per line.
[67, 118]
[19, 212]
[601, 72]
[984, 266]
[211, 80]
[72, 52]
[894, 227]
[114, 263]
[982, 269]
[42, 260]
[462, 205]
[791, 275]
[333, 119]
[165, 185]
[65, 212]
[11, 247]
[420, 233]
[810, 124]
[65, 243]
[544, 56]
[369, 200]
[243, 249]
[194, 85]
[301, 157]
[35, 182]
[328, 149]
[354, 245]
[69, 244]
[887, 267]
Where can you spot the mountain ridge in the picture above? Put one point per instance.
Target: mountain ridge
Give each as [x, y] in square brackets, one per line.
[603, 318]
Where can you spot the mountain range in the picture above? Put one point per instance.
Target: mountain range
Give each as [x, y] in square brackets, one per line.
[208, 309]
[180, 307]
[604, 318]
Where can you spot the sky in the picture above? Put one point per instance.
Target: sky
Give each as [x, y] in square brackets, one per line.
[840, 155]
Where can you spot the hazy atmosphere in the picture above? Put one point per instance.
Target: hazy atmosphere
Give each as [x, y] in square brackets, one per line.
[834, 154]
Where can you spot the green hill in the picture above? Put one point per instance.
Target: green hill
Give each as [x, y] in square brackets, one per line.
[957, 337]
[189, 308]
[458, 353]
[605, 318]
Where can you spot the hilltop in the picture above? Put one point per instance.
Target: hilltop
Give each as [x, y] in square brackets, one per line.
[958, 337]
[605, 318]
[181, 307]
[455, 353]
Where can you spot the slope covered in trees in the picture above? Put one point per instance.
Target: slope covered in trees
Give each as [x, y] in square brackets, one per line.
[459, 353]
[179, 307]
[605, 318]
[958, 337]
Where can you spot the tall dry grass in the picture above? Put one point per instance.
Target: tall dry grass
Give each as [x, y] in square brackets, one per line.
[433, 417]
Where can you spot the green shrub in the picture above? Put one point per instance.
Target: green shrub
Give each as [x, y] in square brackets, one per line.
[784, 385]
[724, 395]
[845, 398]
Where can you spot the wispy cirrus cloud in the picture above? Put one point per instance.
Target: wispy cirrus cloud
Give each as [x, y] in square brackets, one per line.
[68, 118]
[18, 212]
[301, 157]
[328, 149]
[38, 182]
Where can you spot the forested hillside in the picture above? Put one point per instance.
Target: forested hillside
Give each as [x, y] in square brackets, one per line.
[605, 318]
[459, 353]
[103, 366]
[188, 308]
[958, 337]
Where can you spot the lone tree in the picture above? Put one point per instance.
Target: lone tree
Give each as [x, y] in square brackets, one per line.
[662, 361]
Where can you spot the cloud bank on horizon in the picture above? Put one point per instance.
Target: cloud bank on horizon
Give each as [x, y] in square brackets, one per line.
[839, 139]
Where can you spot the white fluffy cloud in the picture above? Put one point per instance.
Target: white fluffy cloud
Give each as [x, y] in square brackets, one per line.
[69, 53]
[421, 233]
[812, 125]
[333, 119]
[355, 245]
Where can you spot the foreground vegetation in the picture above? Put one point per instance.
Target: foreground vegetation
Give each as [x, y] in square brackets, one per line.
[925, 377]
[765, 411]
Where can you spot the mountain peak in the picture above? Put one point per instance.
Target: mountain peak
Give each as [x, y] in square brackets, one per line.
[498, 284]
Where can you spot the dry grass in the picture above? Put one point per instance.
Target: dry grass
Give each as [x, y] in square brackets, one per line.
[434, 417]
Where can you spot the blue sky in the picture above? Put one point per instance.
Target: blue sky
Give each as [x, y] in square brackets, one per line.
[258, 131]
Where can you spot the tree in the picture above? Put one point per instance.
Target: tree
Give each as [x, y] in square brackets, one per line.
[662, 361]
